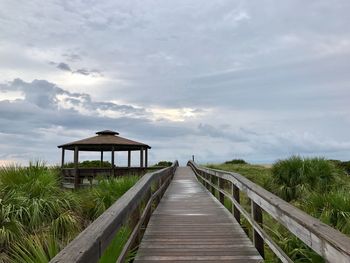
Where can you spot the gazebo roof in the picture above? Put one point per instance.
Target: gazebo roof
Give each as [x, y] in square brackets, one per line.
[105, 140]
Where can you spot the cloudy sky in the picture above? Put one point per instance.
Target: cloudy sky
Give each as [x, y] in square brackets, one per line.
[219, 79]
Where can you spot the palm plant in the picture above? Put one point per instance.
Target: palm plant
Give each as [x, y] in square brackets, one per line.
[296, 176]
[38, 218]
[332, 208]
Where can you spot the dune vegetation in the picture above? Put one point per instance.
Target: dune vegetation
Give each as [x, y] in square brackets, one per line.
[318, 186]
[38, 217]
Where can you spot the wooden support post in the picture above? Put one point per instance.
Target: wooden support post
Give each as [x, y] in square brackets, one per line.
[141, 158]
[221, 187]
[158, 185]
[62, 159]
[76, 171]
[148, 196]
[146, 157]
[113, 170]
[235, 194]
[212, 189]
[258, 217]
[207, 176]
[101, 159]
[134, 219]
[129, 158]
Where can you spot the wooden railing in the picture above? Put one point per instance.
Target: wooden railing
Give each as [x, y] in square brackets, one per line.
[133, 209]
[329, 243]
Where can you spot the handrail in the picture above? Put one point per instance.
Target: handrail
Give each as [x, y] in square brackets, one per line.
[326, 241]
[90, 244]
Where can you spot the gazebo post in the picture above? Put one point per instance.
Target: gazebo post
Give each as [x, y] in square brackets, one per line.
[76, 171]
[146, 157]
[62, 159]
[129, 158]
[113, 162]
[141, 157]
[101, 159]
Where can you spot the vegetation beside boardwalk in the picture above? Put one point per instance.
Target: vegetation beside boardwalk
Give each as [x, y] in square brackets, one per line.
[318, 186]
[38, 218]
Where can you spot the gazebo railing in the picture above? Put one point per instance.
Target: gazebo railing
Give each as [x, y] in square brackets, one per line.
[77, 175]
[326, 241]
[134, 209]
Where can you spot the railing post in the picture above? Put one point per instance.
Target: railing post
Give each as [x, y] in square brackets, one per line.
[134, 219]
[235, 195]
[258, 218]
[148, 196]
[206, 176]
[221, 187]
[158, 185]
[212, 189]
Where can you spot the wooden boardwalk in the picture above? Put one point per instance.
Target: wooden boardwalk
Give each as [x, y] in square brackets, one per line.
[190, 225]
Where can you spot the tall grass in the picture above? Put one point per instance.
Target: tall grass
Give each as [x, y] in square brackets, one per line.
[96, 200]
[38, 218]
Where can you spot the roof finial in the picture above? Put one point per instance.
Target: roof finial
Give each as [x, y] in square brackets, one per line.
[107, 132]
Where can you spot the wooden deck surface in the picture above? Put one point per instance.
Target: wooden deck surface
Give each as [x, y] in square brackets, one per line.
[190, 225]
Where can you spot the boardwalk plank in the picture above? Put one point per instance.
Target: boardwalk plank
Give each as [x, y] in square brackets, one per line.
[190, 225]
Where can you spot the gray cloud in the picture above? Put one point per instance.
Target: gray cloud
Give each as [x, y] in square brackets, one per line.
[87, 72]
[72, 57]
[64, 66]
[243, 78]
[83, 71]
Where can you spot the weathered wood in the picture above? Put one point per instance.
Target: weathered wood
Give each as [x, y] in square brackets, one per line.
[134, 221]
[76, 172]
[148, 197]
[62, 158]
[90, 244]
[258, 217]
[112, 157]
[141, 157]
[324, 240]
[158, 184]
[146, 157]
[221, 195]
[212, 190]
[129, 158]
[235, 195]
[189, 225]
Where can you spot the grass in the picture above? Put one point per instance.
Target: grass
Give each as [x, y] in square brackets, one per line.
[318, 186]
[115, 248]
[38, 218]
[256, 173]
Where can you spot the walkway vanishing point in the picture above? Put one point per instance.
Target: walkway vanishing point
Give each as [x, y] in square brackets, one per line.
[189, 224]
[174, 218]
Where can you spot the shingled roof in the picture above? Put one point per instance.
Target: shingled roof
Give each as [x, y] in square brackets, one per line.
[105, 140]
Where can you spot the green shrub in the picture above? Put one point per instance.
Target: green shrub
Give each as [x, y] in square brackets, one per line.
[294, 176]
[163, 163]
[236, 161]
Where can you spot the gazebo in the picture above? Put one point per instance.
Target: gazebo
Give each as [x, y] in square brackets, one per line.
[104, 141]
